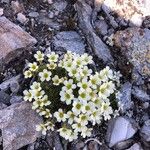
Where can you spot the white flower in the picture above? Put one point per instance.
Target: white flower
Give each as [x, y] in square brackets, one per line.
[51, 65]
[85, 71]
[65, 133]
[78, 127]
[86, 132]
[77, 107]
[45, 75]
[79, 61]
[69, 55]
[37, 103]
[45, 101]
[73, 72]
[46, 113]
[95, 117]
[94, 81]
[41, 102]
[84, 84]
[73, 136]
[68, 65]
[83, 96]
[106, 89]
[27, 95]
[50, 126]
[103, 92]
[87, 59]
[106, 109]
[27, 74]
[70, 116]
[60, 116]
[108, 72]
[110, 87]
[83, 119]
[39, 56]
[33, 66]
[93, 94]
[42, 128]
[56, 80]
[66, 96]
[68, 85]
[53, 57]
[88, 108]
[98, 102]
[37, 94]
[36, 86]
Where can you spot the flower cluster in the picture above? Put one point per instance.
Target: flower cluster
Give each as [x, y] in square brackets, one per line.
[67, 92]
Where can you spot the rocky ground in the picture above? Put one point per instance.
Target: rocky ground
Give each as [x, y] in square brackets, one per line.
[116, 33]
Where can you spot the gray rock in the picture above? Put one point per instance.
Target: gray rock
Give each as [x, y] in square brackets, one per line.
[17, 123]
[145, 132]
[33, 14]
[10, 83]
[135, 45]
[12, 38]
[21, 18]
[125, 98]
[84, 12]
[16, 99]
[146, 22]
[60, 6]
[53, 140]
[5, 1]
[120, 129]
[69, 40]
[107, 11]
[4, 98]
[39, 144]
[123, 144]
[14, 87]
[17, 7]
[2, 106]
[140, 94]
[77, 145]
[136, 146]
[43, 19]
[101, 27]
[51, 15]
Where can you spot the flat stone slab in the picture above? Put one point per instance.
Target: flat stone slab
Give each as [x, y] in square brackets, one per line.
[120, 129]
[18, 124]
[13, 37]
[69, 41]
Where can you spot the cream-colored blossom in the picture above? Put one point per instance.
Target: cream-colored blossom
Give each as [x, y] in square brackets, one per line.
[60, 115]
[33, 66]
[53, 57]
[39, 56]
[56, 80]
[36, 86]
[27, 95]
[51, 65]
[45, 75]
[27, 74]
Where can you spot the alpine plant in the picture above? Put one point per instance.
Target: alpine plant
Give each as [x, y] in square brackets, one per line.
[69, 95]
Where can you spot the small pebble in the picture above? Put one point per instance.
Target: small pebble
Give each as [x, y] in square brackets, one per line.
[50, 1]
[33, 14]
[1, 11]
[21, 18]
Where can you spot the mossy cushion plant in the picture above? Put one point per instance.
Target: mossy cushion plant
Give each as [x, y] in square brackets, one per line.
[69, 95]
